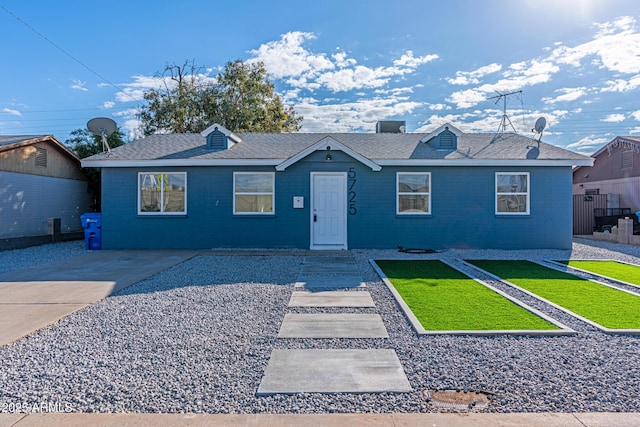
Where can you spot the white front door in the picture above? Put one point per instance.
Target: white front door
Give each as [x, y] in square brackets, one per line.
[328, 210]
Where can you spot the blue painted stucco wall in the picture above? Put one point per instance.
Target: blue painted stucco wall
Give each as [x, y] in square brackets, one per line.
[463, 209]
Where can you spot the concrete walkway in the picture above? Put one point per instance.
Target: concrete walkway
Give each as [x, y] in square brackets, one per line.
[36, 297]
[326, 370]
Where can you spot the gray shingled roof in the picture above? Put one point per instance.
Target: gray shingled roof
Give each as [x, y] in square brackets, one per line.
[375, 146]
[13, 139]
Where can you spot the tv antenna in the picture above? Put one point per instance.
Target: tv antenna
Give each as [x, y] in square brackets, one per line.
[102, 126]
[539, 127]
[505, 119]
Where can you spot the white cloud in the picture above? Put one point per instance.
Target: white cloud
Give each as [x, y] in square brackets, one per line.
[467, 98]
[439, 107]
[287, 57]
[128, 113]
[622, 85]
[489, 121]
[342, 61]
[473, 77]
[615, 47]
[614, 118]
[108, 104]
[408, 60]
[131, 128]
[589, 144]
[350, 116]
[636, 115]
[392, 91]
[79, 85]
[516, 77]
[568, 95]
[352, 78]
[12, 112]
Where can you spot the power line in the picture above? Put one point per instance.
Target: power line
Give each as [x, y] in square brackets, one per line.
[91, 70]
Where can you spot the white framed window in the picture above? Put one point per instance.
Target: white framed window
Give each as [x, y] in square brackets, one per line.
[413, 193]
[512, 193]
[162, 193]
[253, 193]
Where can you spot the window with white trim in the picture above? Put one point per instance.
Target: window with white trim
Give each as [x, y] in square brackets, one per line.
[413, 193]
[512, 193]
[253, 193]
[162, 193]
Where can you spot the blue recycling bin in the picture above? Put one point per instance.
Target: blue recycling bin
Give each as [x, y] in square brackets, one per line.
[92, 224]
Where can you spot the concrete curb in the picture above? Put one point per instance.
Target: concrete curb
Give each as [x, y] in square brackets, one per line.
[332, 420]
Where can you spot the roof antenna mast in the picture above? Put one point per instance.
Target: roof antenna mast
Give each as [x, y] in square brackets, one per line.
[505, 119]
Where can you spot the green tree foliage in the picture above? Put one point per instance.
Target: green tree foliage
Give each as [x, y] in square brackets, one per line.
[86, 144]
[240, 98]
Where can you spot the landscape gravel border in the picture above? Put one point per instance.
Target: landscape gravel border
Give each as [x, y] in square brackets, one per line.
[196, 338]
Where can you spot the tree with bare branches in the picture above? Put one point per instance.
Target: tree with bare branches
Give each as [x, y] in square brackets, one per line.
[240, 98]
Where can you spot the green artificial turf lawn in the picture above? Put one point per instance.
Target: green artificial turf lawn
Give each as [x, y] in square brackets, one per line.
[444, 299]
[615, 270]
[601, 304]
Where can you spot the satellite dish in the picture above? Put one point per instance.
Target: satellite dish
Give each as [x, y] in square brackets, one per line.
[102, 126]
[539, 128]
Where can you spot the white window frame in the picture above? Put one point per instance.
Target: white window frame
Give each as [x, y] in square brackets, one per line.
[161, 212]
[399, 193]
[516, 193]
[272, 193]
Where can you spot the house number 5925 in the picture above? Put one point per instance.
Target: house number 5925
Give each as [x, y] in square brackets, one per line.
[352, 192]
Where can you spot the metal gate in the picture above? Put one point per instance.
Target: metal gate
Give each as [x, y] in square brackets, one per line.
[583, 206]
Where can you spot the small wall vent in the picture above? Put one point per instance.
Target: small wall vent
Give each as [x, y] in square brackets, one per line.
[41, 157]
[217, 140]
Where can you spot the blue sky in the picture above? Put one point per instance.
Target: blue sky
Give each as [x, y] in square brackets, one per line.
[343, 65]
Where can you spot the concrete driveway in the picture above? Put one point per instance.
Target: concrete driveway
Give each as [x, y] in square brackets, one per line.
[36, 297]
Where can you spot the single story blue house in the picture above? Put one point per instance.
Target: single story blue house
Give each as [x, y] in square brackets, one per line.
[445, 189]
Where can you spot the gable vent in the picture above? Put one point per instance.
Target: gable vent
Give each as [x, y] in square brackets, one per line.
[217, 140]
[446, 140]
[41, 157]
[627, 159]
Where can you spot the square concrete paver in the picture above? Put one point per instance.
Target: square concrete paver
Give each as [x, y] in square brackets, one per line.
[333, 371]
[329, 260]
[329, 282]
[348, 269]
[331, 299]
[332, 325]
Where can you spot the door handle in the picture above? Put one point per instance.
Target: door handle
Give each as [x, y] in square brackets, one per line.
[315, 216]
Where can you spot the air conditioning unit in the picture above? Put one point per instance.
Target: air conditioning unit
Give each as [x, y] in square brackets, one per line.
[391, 126]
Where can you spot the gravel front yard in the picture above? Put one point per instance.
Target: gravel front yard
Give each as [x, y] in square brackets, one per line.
[197, 338]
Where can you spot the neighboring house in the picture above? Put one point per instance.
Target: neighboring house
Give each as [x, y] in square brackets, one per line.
[616, 170]
[336, 191]
[40, 179]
